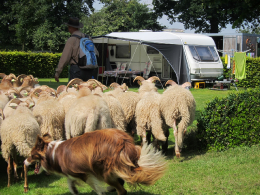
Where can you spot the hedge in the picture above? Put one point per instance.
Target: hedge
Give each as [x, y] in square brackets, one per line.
[41, 65]
[252, 79]
[230, 122]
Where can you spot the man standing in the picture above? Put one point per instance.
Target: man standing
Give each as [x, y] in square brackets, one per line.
[71, 52]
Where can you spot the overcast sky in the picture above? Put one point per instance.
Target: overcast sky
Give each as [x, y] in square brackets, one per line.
[164, 21]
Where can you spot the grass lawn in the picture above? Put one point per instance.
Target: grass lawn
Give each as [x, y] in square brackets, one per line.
[235, 171]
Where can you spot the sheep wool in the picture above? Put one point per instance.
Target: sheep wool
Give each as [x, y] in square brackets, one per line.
[178, 104]
[51, 116]
[87, 114]
[19, 131]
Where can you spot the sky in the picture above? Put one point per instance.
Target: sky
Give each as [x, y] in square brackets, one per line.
[165, 22]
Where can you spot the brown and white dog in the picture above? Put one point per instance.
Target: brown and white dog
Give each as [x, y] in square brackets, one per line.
[102, 156]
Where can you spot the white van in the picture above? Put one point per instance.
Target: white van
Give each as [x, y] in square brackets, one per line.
[178, 56]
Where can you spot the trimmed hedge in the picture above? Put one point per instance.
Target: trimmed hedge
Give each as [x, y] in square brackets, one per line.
[252, 79]
[41, 65]
[231, 121]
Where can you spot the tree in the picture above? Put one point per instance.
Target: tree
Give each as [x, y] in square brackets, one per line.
[24, 19]
[121, 16]
[208, 16]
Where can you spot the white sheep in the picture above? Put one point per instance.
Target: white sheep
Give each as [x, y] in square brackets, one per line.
[117, 114]
[178, 107]
[147, 114]
[128, 101]
[88, 113]
[49, 113]
[18, 134]
[3, 100]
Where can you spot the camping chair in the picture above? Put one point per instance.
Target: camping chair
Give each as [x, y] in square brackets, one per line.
[147, 69]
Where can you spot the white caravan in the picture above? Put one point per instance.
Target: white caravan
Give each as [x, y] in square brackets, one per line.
[178, 56]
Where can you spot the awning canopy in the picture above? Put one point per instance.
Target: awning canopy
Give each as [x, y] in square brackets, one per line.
[169, 44]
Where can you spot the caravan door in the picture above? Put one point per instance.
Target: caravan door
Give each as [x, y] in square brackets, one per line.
[204, 62]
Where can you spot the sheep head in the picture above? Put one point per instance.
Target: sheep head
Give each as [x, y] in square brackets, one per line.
[113, 85]
[139, 79]
[75, 82]
[13, 93]
[186, 85]
[153, 79]
[170, 82]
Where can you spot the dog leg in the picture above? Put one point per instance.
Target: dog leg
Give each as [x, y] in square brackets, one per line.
[113, 189]
[117, 184]
[95, 184]
[72, 186]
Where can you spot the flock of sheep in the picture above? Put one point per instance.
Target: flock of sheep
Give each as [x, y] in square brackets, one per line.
[28, 109]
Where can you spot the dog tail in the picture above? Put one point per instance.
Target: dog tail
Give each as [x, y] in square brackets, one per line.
[149, 168]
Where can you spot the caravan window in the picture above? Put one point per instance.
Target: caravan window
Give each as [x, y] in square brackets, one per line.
[123, 51]
[204, 53]
[151, 50]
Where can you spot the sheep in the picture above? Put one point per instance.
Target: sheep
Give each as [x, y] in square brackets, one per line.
[3, 100]
[49, 113]
[128, 101]
[148, 116]
[88, 113]
[18, 133]
[9, 107]
[66, 98]
[178, 106]
[116, 111]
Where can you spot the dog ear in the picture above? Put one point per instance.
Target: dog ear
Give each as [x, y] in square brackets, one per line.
[40, 143]
[47, 137]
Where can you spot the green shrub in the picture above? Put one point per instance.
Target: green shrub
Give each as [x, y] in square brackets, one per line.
[252, 79]
[41, 65]
[231, 121]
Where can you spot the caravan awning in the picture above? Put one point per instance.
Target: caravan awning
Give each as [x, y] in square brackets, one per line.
[153, 37]
[168, 43]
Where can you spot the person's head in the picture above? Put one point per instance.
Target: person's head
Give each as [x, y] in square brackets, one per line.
[73, 24]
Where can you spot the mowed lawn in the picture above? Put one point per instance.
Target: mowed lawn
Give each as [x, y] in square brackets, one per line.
[235, 171]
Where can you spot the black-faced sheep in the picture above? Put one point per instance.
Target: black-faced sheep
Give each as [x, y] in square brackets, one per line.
[178, 106]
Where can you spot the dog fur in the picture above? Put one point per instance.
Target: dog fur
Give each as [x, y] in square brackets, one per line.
[102, 156]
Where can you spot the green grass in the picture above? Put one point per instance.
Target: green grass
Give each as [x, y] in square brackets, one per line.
[235, 171]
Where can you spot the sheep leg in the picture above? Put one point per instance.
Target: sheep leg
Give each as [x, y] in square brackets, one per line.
[175, 132]
[143, 137]
[9, 168]
[15, 162]
[25, 178]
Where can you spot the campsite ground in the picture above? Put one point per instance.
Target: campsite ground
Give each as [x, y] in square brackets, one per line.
[235, 171]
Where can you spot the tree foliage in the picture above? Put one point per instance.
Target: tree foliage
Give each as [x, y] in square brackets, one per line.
[121, 16]
[22, 21]
[208, 16]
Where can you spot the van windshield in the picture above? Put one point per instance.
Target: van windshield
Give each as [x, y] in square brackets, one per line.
[204, 53]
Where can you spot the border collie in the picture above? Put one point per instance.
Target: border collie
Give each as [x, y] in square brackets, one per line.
[102, 156]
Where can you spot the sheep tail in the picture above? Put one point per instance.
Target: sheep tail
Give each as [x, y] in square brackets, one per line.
[150, 167]
[92, 120]
[183, 124]
[157, 130]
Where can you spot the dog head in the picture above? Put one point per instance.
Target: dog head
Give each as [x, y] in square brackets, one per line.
[38, 153]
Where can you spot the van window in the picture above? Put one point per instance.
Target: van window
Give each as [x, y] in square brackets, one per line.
[204, 53]
[123, 51]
